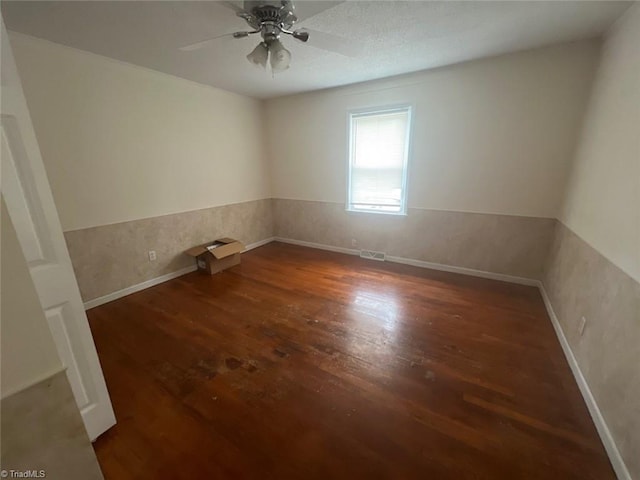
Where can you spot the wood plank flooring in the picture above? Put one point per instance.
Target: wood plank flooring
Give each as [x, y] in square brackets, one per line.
[301, 363]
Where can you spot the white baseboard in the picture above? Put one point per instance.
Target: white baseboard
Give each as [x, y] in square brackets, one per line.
[319, 246]
[465, 271]
[603, 430]
[349, 251]
[137, 287]
[251, 246]
[156, 281]
[419, 263]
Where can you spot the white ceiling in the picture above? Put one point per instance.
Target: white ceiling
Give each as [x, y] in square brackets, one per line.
[396, 36]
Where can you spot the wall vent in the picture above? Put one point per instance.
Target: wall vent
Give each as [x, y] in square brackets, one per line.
[371, 255]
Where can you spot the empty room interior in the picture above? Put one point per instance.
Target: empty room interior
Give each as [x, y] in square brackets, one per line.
[320, 239]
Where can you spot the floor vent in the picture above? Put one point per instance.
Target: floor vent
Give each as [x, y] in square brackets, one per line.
[371, 255]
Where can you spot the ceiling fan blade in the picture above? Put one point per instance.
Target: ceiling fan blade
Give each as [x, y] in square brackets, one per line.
[209, 41]
[334, 43]
[236, 6]
[305, 9]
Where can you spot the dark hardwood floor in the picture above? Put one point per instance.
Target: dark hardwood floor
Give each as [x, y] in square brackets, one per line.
[301, 363]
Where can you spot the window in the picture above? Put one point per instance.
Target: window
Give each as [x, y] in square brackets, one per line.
[378, 153]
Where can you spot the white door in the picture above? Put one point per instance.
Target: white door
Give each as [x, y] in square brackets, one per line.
[26, 191]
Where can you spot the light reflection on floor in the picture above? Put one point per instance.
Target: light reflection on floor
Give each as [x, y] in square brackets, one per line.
[374, 311]
[382, 306]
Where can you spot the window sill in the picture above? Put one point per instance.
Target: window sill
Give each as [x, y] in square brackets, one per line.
[376, 212]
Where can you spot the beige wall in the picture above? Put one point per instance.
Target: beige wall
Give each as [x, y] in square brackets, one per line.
[593, 269]
[491, 136]
[122, 143]
[110, 258]
[28, 352]
[579, 282]
[502, 244]
[603, 196]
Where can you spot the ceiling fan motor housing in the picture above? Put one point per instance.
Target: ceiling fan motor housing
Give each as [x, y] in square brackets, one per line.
[267, 13]
[271, 17]
[269, 8]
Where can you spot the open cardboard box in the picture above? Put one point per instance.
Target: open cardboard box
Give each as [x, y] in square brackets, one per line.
[213, 257]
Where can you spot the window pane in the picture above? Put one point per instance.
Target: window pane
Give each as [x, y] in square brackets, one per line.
[379, 140]
[378, 152]
[373, 185]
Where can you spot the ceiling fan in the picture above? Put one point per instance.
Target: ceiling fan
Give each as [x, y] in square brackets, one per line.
[272, 19]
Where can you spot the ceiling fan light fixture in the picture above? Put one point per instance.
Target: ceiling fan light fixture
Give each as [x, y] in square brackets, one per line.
[259, 55]
[301, 35]
[280, 56]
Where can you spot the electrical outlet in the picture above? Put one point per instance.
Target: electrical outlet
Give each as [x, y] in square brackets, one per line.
[152, 255]
[581, 325]
[354, 242]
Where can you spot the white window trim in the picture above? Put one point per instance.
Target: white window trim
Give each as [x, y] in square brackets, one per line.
[405, 166]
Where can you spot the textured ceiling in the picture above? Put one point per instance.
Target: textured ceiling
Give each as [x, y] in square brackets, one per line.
[396, 37]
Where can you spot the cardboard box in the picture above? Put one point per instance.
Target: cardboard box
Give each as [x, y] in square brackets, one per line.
[213, 257]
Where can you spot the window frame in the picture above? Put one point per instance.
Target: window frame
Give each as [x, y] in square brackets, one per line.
[372, 111]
